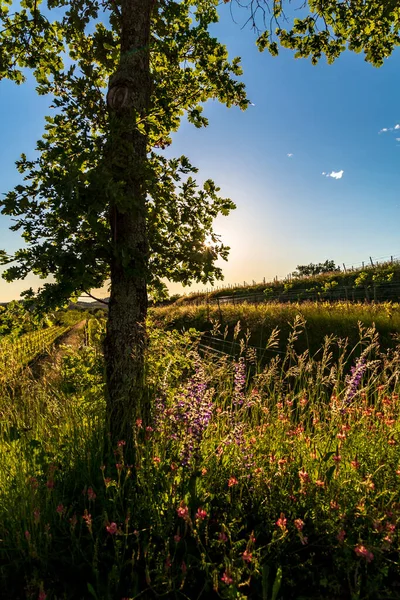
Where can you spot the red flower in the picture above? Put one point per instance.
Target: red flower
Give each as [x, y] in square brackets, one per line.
[112, 528]
[247, 556]
[232, 481]
[226, 578]
[201, 514]
[364, 553]
[281, 522]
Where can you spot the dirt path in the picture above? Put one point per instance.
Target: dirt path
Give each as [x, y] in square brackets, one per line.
[48, 364]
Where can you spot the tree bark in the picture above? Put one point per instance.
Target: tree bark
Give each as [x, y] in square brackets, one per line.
[128, 100]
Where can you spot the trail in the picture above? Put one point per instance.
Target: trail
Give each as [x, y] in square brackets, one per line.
[48, 364]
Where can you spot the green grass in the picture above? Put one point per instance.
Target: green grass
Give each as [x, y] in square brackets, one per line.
[277, 482]
[321, 319]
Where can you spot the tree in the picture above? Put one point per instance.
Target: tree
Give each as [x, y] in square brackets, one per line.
[315, 269]
[102, 200]
[327, 27]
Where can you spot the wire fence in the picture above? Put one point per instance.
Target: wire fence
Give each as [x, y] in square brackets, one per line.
[377, 292]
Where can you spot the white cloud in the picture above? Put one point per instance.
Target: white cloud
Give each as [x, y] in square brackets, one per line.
[289, 155]
[397, 139]
[334, 174]
[386, 129]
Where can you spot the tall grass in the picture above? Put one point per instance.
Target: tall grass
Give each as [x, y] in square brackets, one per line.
[322, 319]
[277, 482]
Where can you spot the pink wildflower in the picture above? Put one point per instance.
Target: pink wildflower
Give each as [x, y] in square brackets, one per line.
[247, 556]
[226, 578]
[183, 511]
[299, 524]
[232, 481]
[27, 535]
[362, 551]
[60, 509]
[177, 538]
[91, 494]
[201, 514]
[281, 522]
[112, 528]
[42, 595]
[340, 536]
[222, 537]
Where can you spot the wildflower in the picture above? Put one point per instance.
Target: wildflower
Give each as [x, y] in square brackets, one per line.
[121, 443]
[281, 522]
[232, 481]
[201, 514]
[183, 567]
[42, 595]
[337, 458]
[304, 476]
[299, 524]
[119, 467]
[183, 511]
[320, 483]
[111, 528]
[60, 509]
[173, 467]
[177, 538]
[36, 515]
[204, 471]
[247, 556]
[354, 379]
[168, 563]
[34, 483]
[88, 520]
[91, 494]
[362, 551]
[226, 578]
[139, 423]
[222, 537]
[303, 539]
[341, 436]
[156, 460]
[27, 536]
[50, 484]
[303, 402]
[334, 505]
[340, 536]
[355, 464]
[239, 382]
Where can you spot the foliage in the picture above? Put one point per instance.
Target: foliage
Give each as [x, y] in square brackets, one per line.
[329, 28]
[279, 483]
[315, 269]
[385, 278]
[322, 319]
[62, 208]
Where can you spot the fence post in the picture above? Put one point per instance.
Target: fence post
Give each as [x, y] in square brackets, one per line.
[344, 267]
[370, 258]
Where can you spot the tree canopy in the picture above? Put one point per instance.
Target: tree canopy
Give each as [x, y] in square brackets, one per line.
[62, 206]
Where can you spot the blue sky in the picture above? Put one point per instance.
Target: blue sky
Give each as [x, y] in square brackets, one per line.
[288, 213]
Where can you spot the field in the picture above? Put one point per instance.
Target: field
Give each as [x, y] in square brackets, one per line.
[274, 480]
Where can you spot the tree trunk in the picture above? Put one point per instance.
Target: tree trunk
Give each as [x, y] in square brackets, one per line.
[128, 101]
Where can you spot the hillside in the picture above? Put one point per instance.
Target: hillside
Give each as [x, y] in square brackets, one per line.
[379, 283]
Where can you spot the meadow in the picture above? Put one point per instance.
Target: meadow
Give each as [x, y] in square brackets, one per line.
[276, 480]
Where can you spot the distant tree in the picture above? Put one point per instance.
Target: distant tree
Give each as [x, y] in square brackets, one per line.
[315, 269]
